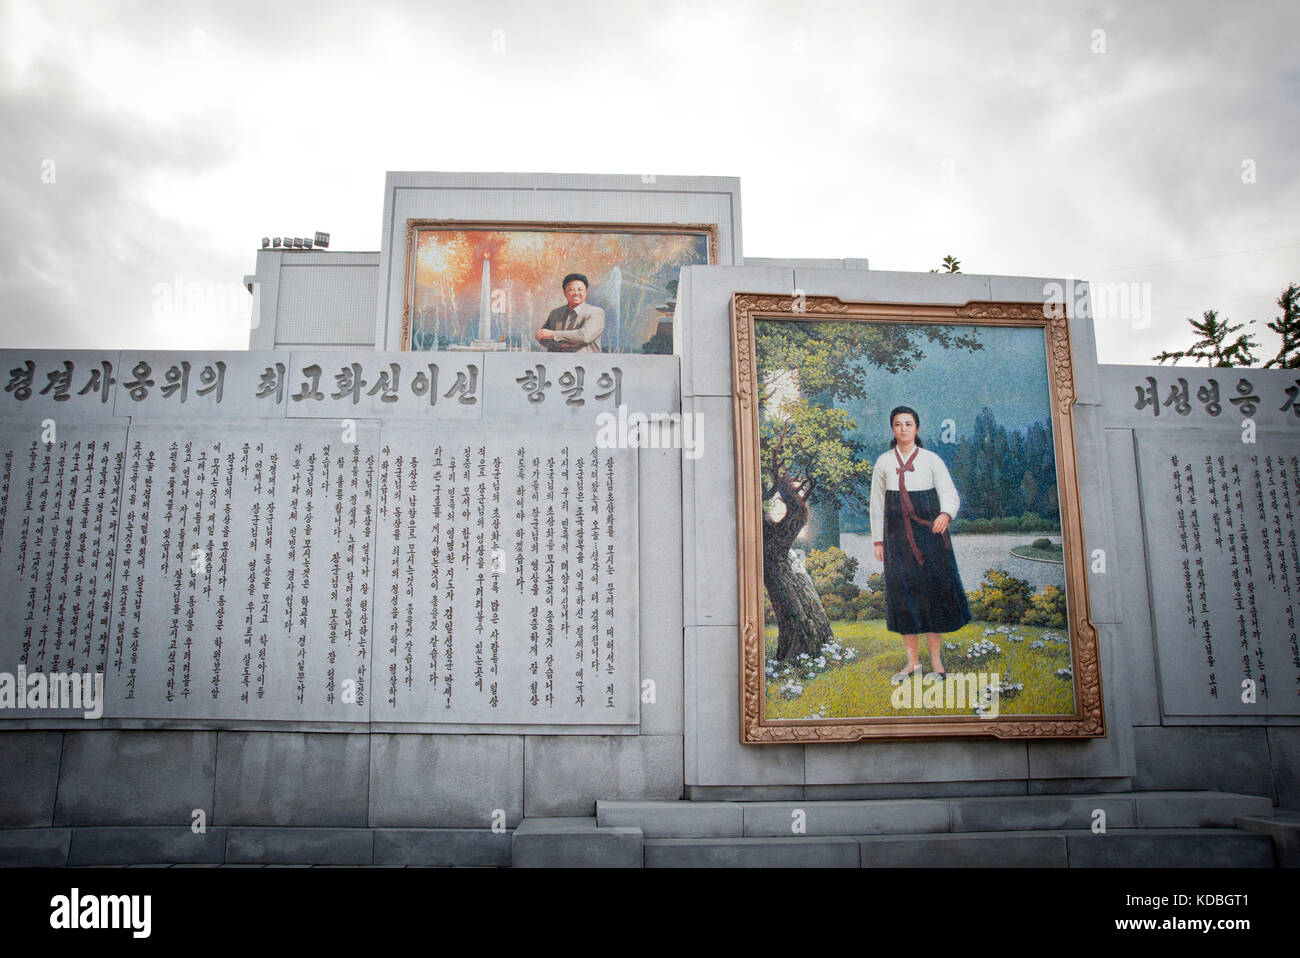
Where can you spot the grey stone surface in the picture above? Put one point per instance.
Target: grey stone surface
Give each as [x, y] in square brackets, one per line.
[264, 286]
[310, 846]
[165, 390]
[1284, 756]
[1119, 385]
[542, 197]
[1202, 619]
[1283, 827]
[1197, 809]
[659, 571]
[811, 852]
[433, 386]
[34, 847]
[744, 793]
[445, 781]
[1170, 848]
[31, 763]
[1228, 759]
[891, 761]
[777, 819]
[690, 566]
[711, 538]
[1040, 811]
[274, 663]
[130, 845]
[996, 850]
[565, 675]
[574, 383]
[712, 655]
[52, 571]
[1135, 654]
[889, 286]
[1094, 504]
[442, 846]
[575, 842]
[565, 775]
[320, 297]
[853, 793]
[1075, 786]
[674, 819]
[704, 320]
[135, 778]
[291, 778]
[809, 262]
[1110, 756]
[33, 400]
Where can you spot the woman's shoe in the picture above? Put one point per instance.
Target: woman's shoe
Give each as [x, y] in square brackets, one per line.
[898, 678]
[936, 676]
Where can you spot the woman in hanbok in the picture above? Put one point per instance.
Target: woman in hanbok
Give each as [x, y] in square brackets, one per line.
[913, 500]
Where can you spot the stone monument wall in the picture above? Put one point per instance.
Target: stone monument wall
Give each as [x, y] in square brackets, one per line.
[333, 588]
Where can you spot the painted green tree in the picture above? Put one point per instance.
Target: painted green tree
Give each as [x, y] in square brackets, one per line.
[806, 455]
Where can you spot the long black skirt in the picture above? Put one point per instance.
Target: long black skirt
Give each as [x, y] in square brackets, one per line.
[926, 597]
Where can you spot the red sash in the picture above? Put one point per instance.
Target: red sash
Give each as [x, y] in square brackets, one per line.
[909, 513]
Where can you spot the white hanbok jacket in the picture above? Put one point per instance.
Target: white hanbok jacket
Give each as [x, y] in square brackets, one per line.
[928, 472]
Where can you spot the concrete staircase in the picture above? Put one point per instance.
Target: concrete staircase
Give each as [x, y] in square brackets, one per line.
[1141, 829]
[1162, 829]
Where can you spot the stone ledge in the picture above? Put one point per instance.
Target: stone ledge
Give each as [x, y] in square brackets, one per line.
[139, 845]
[575, 843]
[1197, 809]
[674, 819]
[1170, 848]
[811, 852]
[313, 846]
[442, 846]
[1283, 827]
[1032, 812]
[34, 847]
[871, 817]
[999, 849]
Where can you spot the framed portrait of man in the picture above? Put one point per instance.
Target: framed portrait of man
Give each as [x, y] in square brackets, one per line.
[547, 287]
[911, 557]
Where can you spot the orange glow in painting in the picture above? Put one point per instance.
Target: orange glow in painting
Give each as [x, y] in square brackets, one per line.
[632, 276]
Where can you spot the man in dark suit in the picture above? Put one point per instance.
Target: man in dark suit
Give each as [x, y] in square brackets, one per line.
[576, 326]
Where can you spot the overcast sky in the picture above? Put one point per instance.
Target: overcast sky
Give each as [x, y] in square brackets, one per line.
[146, 146]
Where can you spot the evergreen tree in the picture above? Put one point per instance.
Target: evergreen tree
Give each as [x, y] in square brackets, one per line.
[1213, 345]
[1288, 327]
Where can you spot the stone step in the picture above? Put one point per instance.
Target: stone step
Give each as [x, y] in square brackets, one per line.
[1069, 848]
[91, 846]
[909, 816]
[1283, 827]
[575, 843]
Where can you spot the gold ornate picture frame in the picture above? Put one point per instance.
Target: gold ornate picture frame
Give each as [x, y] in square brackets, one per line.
[826, 601]
[474, 282]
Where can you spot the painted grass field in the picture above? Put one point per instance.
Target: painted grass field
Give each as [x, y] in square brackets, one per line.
[850, 679]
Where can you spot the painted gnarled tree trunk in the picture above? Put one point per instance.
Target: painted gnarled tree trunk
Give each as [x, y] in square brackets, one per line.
[802, 624]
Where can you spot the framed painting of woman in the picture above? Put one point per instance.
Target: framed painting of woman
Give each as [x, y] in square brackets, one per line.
[911, 559]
